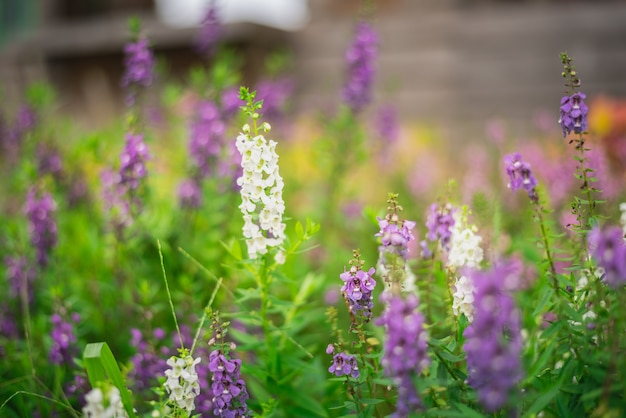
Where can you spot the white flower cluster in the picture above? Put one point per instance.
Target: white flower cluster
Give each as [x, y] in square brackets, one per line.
[465, 248]
[182, 381]
[261, 194]
[96, 406]
[463, 302]
[622, 208]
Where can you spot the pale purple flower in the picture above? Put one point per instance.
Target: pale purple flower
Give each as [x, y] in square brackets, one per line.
[42, 225]
[230, 103]
[358, 287]
[133, 161]
[148, 361]
[344, 365]
[395, 236]
[405, 354]
[190, 194]
[138, 64]
[275, 95]
[207, 137]
[387, 126]
[211, 31]
[493, 340]
[573, 114]
[19, 273]
[49, 161]
[608, 249]
[229, 390]
[520, 175]
[115, 201]
[63, 337]
[439, 223]
[360, 57]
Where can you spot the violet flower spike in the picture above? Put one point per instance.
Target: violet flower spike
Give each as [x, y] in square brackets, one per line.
[360, 57]
[520, 176]
[573, 114]
[42, 226]
[608, 249]
[344, 365]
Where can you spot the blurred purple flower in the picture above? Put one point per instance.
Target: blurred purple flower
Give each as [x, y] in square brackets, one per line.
[573, 114]
[275, 95]
[387, 126]
[520, 175]
[42, 225]
[405, 348]
[63, 348]
[148, 363]
[206, 137]
[19, 273]
[608, 249]
[395, 236]
[133, 161]
[496, 131]
[230, 103]
[138, 64]
[211, 31]
[49, 161]
[439, 223]
[493, 340]
[190, 194]
[361, 58]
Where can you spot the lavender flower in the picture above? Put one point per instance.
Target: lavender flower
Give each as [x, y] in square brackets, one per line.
[608, 248]
[19, 274]
[573, 114]
[357, 288]
[48, 161]
[360, 58]
[148, 361]
[115, 202]
[8, 324]
[520, 176]
[387, 126]
[133, 161]
[229, 390]
[405, 348]
[439, 223]
[493, 340]
[190, 194]
[211, 31]
[395, 235]
[63, 337]
[207, 137]
[275, 95]
[344, 365]
[230, 103]
[138, 64]
[42, 226]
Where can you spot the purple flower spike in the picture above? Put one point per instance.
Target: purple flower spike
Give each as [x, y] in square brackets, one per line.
[493, 341]
[133, 161]
[358, 286]
[439, 223]
[207, 137]
[395, 237]
[19, 273]
[520, 175]
[360, 58]
[405, 348]
[344, 365]
[63, 340]
[210, 31]
[573, 114]
[139, 63]
[229, 390]
[608, 248]
[190, 194]
[42, 225]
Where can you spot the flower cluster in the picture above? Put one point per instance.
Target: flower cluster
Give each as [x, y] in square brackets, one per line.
[520, 175]
[395, 235]
[63, 339]
[190, 194]
[343, 365]
[133, 162]
[358, 286]
[405, 348]
[608, 248]
[42, 226]
[229, 390]
[493, 340]
[573, 114]
[207, 137]
[49, 161]
[210, 31]
[463, 298]
[387, 126]
[360, 58]
[465, 250]
[138, 64]
[148, 364]
[182, 381]
[97, 405]
[261, 193]
[19, 274]
[439, 223]
[275, 95]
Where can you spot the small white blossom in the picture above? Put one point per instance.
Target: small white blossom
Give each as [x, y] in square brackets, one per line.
[463, 302]
[182, 381]
[262, 202]
[97, 406]
[465, 250]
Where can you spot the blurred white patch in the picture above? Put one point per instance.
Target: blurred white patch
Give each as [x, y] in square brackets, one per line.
[289, 15]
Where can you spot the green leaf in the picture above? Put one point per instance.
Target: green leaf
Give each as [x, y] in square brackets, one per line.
[299, 230]
[101, 367]
[543, 400]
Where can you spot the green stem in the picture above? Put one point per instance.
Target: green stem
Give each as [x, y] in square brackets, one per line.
[169, 295]
[546, 245]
